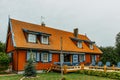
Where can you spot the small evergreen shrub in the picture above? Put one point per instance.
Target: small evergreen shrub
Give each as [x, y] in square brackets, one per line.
[30, 69]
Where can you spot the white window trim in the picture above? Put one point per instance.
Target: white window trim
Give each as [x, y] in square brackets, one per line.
[79, 44]
[32, 38]
[43, 42]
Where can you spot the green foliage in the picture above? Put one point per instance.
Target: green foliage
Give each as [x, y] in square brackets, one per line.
[30, 69]
[112, 75]
[2, 47]
[4, 61]
[118, 43]
[109, 54]
[64, 78]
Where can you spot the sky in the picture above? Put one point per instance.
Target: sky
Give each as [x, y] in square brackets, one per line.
[98, 19]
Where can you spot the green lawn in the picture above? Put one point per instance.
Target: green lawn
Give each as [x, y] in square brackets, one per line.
[55, 76]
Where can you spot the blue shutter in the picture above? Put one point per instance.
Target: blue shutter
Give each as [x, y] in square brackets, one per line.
[50, 57]
[37, 56]
[75, 58]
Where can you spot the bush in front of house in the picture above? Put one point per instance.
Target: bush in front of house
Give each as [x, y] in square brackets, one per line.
[112, 75]
[30, 70]
[4, 61]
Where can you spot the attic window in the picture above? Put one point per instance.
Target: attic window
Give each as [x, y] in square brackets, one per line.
[44, 39]
[79, 44]
[91, 46]
[32, 38]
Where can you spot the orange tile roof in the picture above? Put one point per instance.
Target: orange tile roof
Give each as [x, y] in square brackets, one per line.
[68, 45]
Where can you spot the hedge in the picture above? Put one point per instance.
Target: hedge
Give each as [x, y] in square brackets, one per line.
[112, 75]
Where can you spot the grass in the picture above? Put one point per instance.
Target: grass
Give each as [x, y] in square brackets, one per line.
[55, 76]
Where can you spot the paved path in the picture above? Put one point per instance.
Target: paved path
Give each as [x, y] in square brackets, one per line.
[7, 74]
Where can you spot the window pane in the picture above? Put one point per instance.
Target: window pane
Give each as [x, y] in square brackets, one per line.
[79, 44]
[45, 57]
[28, 55]
[32, 55]
[31, 38]
[81, 57]
[38, 56]
[44, 39]
[91, 46]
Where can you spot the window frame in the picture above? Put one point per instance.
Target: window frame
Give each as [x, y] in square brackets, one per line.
[30, 35]
[34, 55]
[47, 57]
[42, 39]
[91, 46]
[81, 57]
[79, 44]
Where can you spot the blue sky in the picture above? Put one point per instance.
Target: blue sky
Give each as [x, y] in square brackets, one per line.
[99, 19]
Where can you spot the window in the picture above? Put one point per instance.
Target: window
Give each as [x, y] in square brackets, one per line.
[44, 39]
[32, 38]
[32, 55]
[93, 58]
[82, 57]
[37, 56]
[79, 44]
[10, 56]
[91, 46]
[46, 57]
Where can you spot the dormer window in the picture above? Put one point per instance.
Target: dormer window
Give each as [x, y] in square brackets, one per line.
[91, 46]
[32, 38]
[44, 39]
[79, 44]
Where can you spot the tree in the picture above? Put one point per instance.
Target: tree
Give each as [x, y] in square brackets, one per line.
[109, 54]
[30, 70]
[4, 61]
[118, 43]
[2, 47]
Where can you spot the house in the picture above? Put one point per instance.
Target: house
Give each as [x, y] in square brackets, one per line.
[46, 43]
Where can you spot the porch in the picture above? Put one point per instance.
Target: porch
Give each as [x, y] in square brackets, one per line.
[67, 67]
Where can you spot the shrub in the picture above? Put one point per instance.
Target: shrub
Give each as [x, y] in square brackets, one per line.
[4, 61]
[112, 75]
[64, 78]
[30, 69]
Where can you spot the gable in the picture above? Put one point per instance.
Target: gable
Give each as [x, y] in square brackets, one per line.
[9, 41]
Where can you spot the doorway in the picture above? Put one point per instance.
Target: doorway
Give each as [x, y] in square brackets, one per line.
[67, 57]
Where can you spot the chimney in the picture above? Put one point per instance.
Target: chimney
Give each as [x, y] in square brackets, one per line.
[42, 24]
[76, 32]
